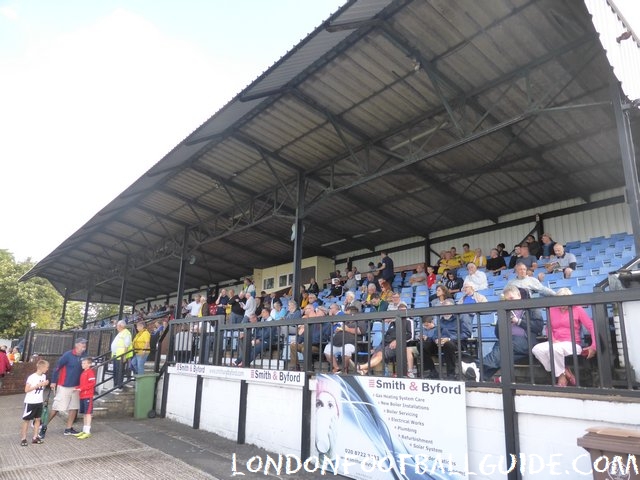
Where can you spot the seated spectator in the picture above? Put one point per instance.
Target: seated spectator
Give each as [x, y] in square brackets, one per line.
[469, 294]
[453, 282]
[467, 254]
[476, 277]
[456, 257]
[277, 312]
[533, 245]
[529, 283]
[443, 337]
[260, 339]
[442, 294]
[562, 343]
[448, 263]
[313, 286]
[343, 343]
[386, 351]
[515, 257]
[304, 300]
[526, 325]
[431, 276]
[546, 247]
[385, 290]
[395, 302]
[336, 287]
[439, 267]
[351, 284]
[479, 259]
[366, 299]
[419, 277]
[525, 257]
[496, 263]
[369, 279]
[320, 334]
[379, 305]
[502, 250]
[561, 261]
[350, 301]
[313, 300]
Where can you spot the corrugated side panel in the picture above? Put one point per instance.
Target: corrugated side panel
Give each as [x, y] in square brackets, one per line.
[624, 56]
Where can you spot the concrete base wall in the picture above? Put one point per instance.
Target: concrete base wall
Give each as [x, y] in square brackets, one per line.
[549, 424]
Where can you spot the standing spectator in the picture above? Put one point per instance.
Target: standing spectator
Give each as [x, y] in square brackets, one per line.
[249, 305]
[195, 307]
[121, 352]
[502, 252]
[534, 246]
[546, 247]
[141, 348]
[33, 400]
[66, 377]
[86, 389]
[237, 311]
[386, 267]
[221, 303]
[5, 365]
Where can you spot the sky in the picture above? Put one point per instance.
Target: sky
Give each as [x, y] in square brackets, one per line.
[93, 93]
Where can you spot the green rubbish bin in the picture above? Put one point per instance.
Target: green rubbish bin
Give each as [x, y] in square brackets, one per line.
[145, 385]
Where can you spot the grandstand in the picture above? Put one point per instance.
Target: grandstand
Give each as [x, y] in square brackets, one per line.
[404, 126]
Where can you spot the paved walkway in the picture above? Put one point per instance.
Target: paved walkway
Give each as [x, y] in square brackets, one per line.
[121, 449]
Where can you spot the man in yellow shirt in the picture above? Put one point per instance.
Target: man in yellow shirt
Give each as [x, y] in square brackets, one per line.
[121, 352]
[467, 254]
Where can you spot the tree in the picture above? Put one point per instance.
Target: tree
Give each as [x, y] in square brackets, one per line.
[25, 303]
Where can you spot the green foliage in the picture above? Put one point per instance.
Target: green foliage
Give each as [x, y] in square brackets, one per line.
[24, 303]
[37, 302]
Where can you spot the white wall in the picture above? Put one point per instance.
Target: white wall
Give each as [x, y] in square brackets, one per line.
[549, 424]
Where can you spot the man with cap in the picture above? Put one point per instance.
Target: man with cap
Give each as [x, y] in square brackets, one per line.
[65, 379]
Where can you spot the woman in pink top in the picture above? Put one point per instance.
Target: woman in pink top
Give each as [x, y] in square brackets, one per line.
[560, 324]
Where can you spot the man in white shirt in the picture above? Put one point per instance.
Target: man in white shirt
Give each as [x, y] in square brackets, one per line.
[194, 307]
[476, 277]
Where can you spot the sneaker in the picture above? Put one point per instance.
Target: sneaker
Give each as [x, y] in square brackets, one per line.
[83, 435]
[78, 434]
[471, 371]
[37, 441]
[71, 431]
[24, 443]
[43, 431]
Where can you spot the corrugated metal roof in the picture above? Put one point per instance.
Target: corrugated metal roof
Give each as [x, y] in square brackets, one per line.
[404, 117]
[620, 42]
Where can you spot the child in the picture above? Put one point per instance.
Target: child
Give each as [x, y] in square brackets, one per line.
[33, 400]
[86, 387]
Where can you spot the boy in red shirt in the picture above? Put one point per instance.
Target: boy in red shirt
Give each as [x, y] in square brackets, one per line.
[86, 387]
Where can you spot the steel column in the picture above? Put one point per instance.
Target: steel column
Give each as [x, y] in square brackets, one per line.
[298, 239]
[628, 156]
[123, 288]
[86, 309]
[64, 308]
[182, 274]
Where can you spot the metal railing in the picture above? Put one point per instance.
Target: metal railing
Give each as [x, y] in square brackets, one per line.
[209, 341]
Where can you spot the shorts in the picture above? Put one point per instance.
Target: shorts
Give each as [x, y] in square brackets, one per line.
[32, 411]
[67, 398]
[86, 406]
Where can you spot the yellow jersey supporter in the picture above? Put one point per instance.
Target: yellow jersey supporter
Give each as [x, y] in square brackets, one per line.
[119, 345]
